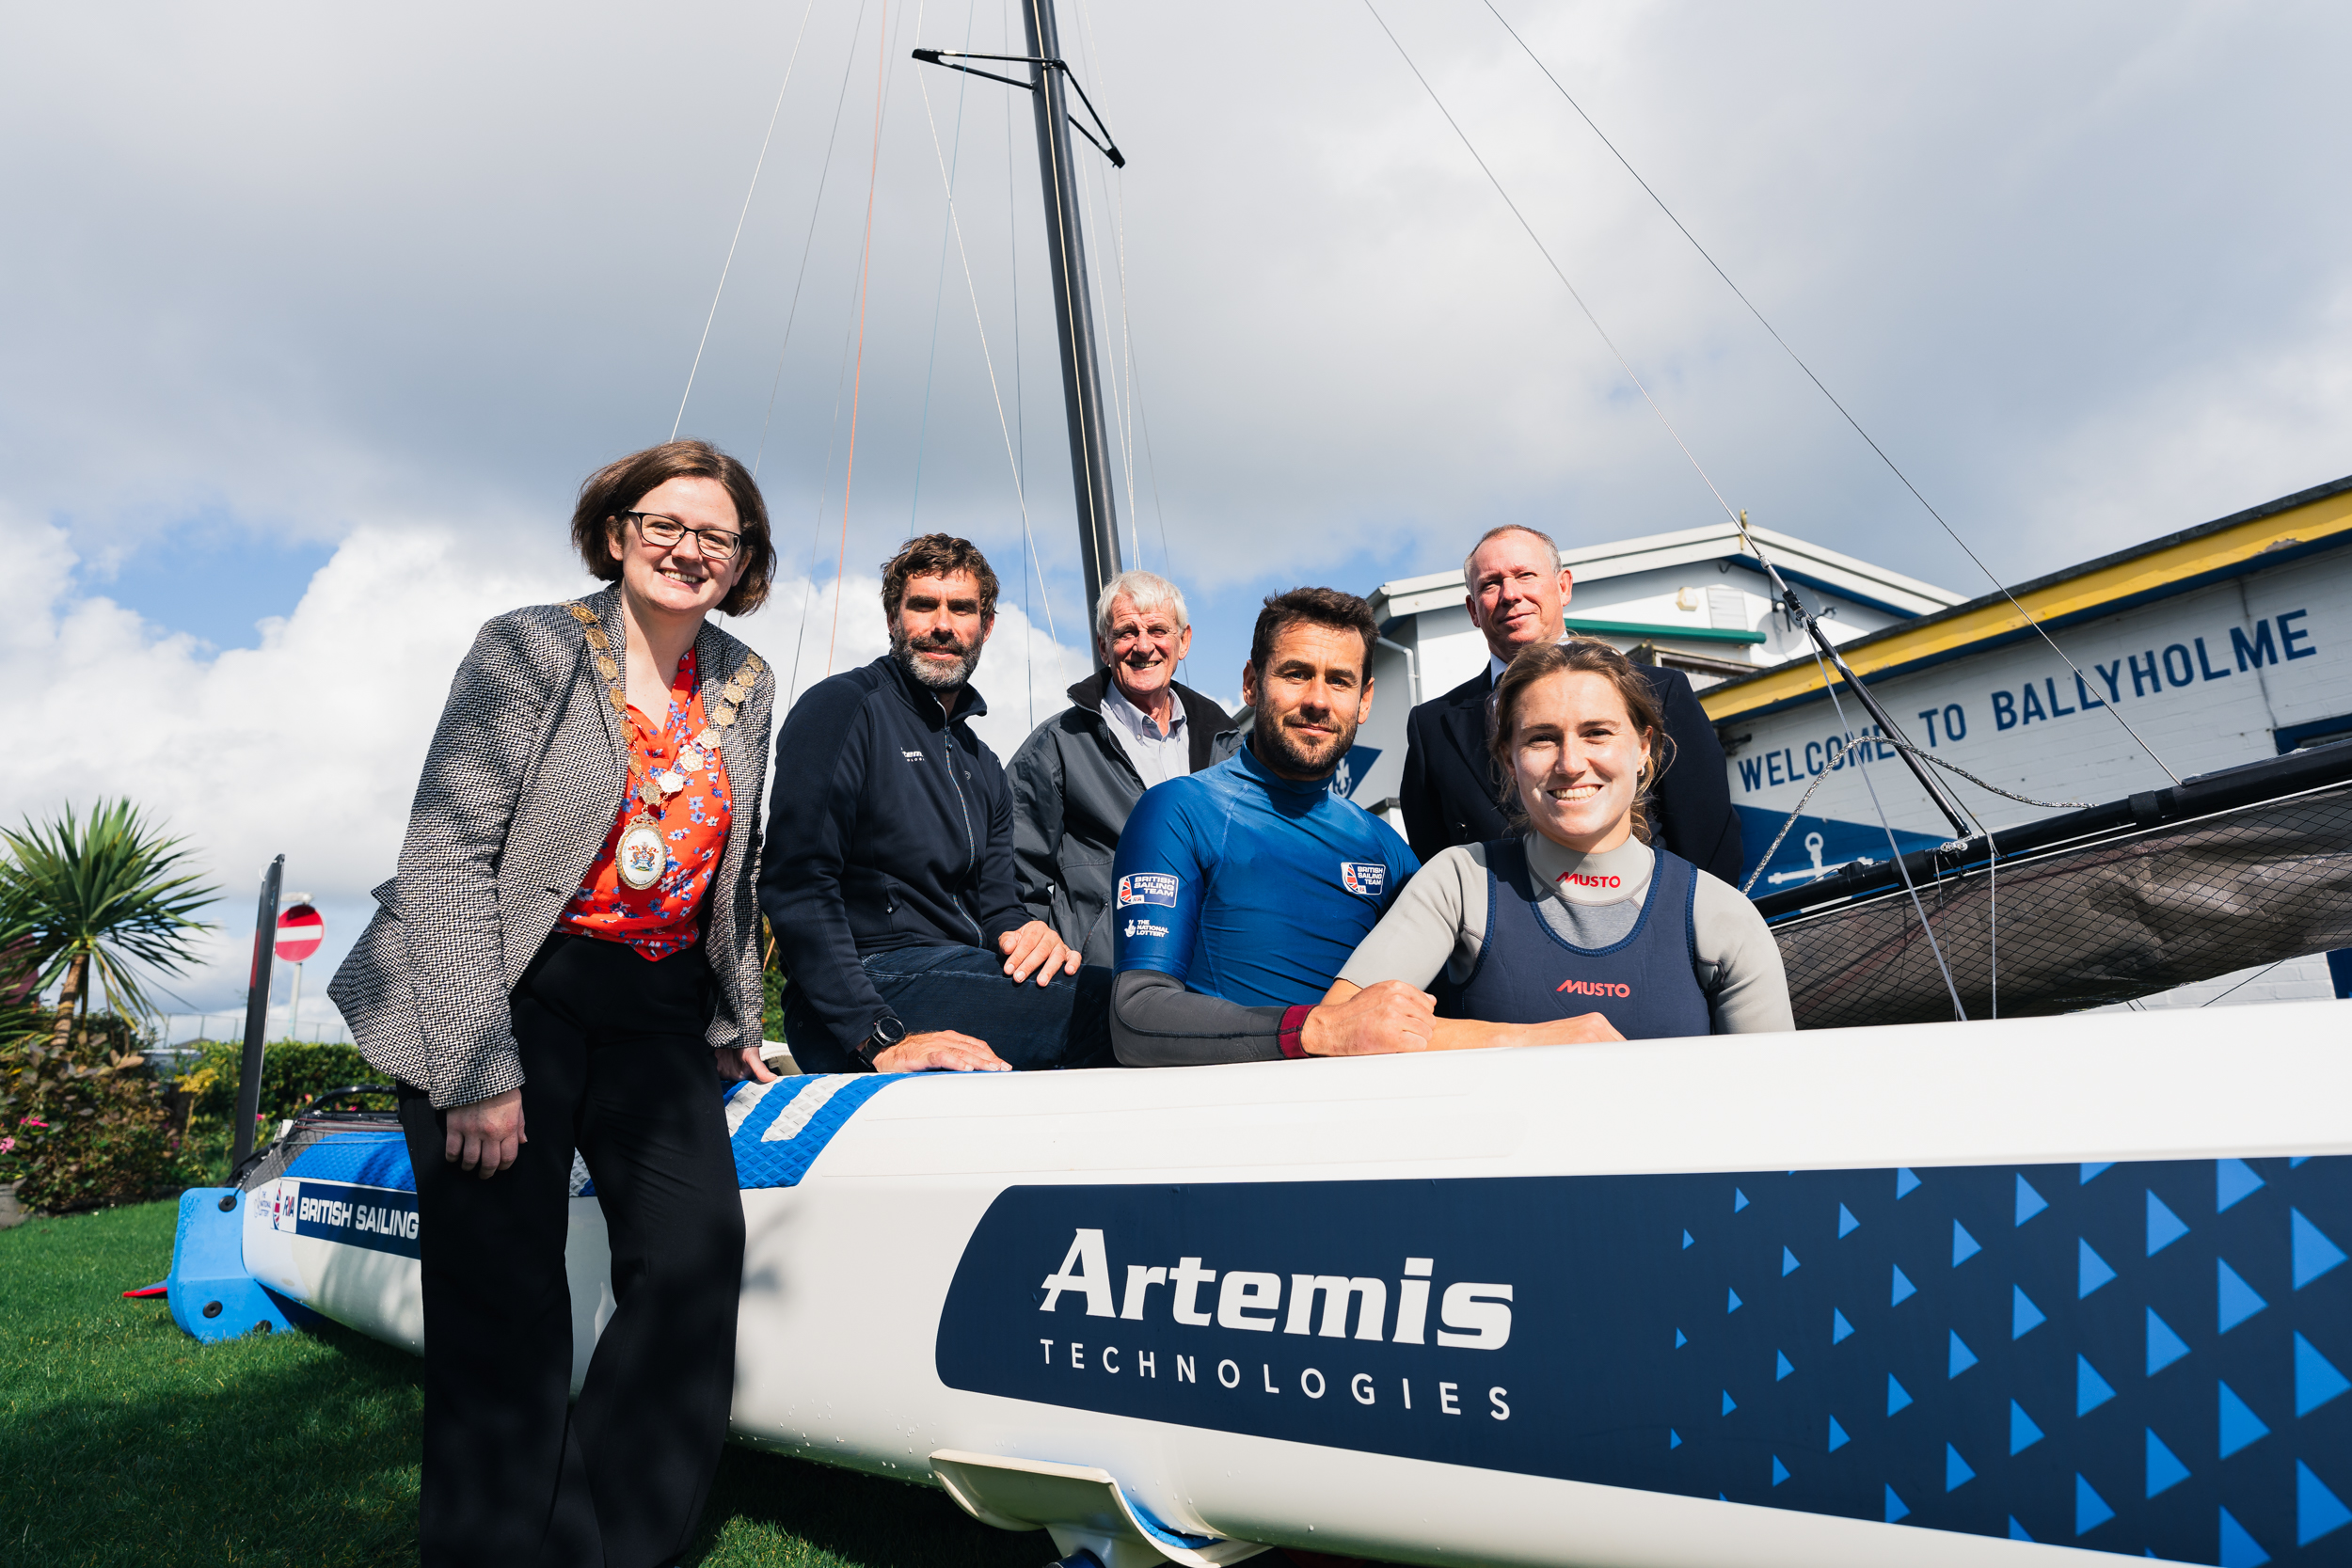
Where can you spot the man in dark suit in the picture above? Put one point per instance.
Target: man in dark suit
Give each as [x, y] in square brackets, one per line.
[1518, 594]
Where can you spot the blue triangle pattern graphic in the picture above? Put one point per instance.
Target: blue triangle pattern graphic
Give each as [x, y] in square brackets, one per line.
[1789, 1263]
[1686, 1240]
[1962, 1356]
[2023, 1316]
[1846, 1224]
[2022, 1434]
[1955, 1471]
[2164, 1346]
[1904, 1182]
[1738, 1200]
[1673, 1439]
[1730, 1404]
[2091, 1389]
[2029, 1202]
[1964, 1246]
[1837, 1438]
[1897, 1395]
[2164, 1226]
[2317, 1511]
[2239, 1424]
[2090, 1270]
[2239, 1549]
[1782, 1369]
[1780, 1471]
[2016, 1531]
[1839, 1326]
[2235, 1299]
[2313, 1253]
[2092, 1168]
[1896, 1508]
[2090, 1510]
[1903, 1287]
[2164, 1470]
[1734, 1301]
[2232, 1179]
[2316, 1380]
[1680, 1339]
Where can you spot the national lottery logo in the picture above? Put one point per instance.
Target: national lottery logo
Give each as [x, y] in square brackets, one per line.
[1147, 887]
[1364, 877]
[1139, 927]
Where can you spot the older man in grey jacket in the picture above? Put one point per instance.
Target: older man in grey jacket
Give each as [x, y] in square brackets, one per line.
[1129, 726]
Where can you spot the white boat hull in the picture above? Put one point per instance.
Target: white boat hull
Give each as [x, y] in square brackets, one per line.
[1698, 1302]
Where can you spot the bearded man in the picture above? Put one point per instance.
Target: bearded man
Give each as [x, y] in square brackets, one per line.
[888, 878]
[1241, 890]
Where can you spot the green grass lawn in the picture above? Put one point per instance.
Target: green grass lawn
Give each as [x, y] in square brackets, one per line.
[122, 1441]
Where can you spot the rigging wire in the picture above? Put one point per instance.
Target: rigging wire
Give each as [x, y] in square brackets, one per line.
[1799, 361]
[1114, 188]
[1071, 308]
[1020, 464]
[824, 174]
[988, 357]
[2247, 981]
[1934, 947]
[1623, 363]
[729, 266]
[939, 289]
[817, 529]
[1740, 521]
[857, 385]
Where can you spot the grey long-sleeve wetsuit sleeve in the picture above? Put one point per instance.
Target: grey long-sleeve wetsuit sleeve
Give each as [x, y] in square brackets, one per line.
[1157, 1023]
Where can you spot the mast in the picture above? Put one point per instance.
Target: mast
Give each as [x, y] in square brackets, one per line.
[1081, 382]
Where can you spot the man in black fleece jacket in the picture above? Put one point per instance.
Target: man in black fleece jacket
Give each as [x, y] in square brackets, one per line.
[888, 875]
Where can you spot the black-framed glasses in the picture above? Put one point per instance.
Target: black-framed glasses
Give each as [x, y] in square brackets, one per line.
[717, 544]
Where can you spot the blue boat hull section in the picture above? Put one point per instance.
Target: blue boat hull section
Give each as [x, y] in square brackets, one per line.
[2130, 1357]
[210, 1293]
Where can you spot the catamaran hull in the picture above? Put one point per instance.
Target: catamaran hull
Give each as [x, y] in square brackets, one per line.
[2008, 1289]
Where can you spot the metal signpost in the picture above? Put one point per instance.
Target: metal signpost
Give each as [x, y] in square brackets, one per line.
[255, 1014]
[300, 930]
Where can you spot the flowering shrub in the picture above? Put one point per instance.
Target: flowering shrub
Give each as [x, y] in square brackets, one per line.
[89, 1123]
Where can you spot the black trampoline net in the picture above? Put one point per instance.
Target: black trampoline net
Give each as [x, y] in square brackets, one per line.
[2109, 921]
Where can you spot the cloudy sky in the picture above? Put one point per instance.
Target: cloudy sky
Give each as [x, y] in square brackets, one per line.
[315, 317]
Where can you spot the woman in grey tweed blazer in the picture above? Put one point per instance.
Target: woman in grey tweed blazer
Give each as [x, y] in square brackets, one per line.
[568, 960]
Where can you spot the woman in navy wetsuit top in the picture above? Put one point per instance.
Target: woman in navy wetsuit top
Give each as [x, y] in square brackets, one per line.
[1578, 929]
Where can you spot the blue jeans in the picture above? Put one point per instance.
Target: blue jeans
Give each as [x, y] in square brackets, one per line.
[1064, 1024]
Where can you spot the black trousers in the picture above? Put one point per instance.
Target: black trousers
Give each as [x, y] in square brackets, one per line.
[515, 1474]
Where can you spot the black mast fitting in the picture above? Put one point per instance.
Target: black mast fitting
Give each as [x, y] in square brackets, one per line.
[1887, 727]
[1102, 142]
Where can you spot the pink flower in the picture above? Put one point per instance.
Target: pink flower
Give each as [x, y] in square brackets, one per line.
[8, 1146]
[32, 1121]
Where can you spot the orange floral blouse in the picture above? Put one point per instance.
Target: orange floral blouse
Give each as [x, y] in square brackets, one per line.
[665, 918]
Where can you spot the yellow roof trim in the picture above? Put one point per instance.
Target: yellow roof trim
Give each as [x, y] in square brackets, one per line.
[2053, 601]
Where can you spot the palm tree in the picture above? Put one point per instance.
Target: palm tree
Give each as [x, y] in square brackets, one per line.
[101, 893]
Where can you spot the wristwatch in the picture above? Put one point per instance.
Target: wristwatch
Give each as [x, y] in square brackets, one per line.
[887, 1031]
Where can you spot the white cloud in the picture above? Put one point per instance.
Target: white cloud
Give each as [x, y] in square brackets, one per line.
[310, 745]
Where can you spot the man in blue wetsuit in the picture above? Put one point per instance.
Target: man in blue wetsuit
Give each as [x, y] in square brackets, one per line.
[1242, 889]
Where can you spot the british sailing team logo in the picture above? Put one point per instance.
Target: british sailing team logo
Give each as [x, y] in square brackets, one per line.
[1363, 877]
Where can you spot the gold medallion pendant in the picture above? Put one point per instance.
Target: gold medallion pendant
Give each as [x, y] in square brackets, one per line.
[640, 856]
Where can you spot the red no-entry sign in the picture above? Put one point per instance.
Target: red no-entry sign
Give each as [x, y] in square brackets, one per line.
[300, 930]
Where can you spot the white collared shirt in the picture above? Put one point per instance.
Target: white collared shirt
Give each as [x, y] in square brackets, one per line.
[1157, 757]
